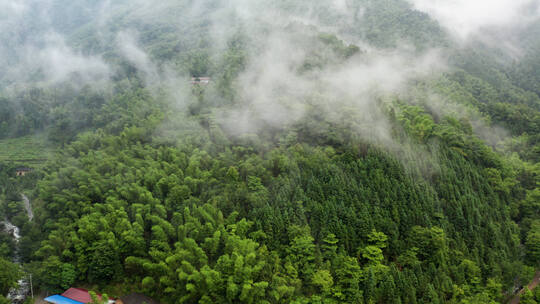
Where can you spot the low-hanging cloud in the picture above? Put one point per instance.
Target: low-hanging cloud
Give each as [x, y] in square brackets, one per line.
[50, 61]
[34, 52]
[275, 92]
[280, 36]
[128, 47]
[157, 78]
[61, 63]
[465, 18]
[9, 7]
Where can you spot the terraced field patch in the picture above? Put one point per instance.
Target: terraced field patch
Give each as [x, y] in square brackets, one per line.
[28, 150]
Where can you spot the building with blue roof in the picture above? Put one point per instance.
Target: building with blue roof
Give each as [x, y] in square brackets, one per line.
[58, 299]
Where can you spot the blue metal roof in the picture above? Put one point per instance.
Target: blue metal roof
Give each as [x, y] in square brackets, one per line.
[58, 299]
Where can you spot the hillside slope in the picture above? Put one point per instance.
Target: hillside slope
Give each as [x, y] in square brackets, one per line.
[342, 152]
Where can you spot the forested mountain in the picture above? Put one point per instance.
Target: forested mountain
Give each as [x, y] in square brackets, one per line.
[353, 151]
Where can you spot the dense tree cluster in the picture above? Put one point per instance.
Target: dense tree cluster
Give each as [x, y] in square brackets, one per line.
[149, 196]
[232, 221]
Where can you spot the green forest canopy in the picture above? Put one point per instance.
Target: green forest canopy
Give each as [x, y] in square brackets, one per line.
[148, 196]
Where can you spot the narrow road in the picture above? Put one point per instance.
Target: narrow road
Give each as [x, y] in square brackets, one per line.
[531, 286]
[28, 207]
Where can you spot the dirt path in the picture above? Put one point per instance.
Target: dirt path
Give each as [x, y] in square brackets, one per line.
[535, 282]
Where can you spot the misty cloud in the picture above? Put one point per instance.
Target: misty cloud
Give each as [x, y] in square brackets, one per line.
[275, 93]
[60, 63]
[127, 45]
[9, 7]
[464, 18]
[442, 106]
[158, 78]
[33, 51]
[51, 61]
[280, 37]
